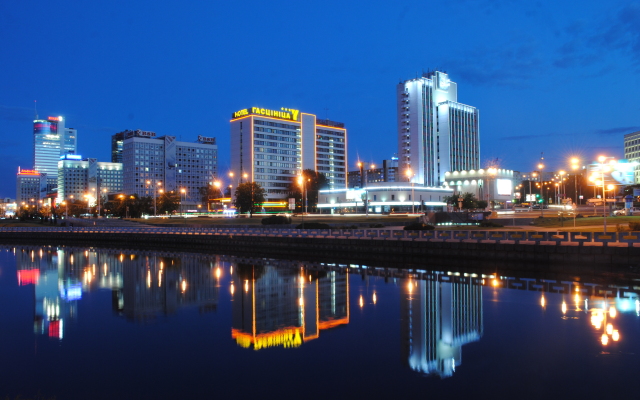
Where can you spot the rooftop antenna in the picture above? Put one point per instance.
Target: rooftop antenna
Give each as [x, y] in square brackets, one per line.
[35, 108]
[326, 113]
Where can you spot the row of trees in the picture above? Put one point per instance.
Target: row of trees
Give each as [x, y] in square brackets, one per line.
[249, 196]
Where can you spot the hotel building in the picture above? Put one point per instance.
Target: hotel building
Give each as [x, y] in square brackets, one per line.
[436, 134]
[272, 147]
[31, 186]
[151, 163]
[78, 177]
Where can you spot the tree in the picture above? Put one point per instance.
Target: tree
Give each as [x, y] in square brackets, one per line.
[168, 202]
[313, 183]
[209, 193]
[469, 201]
[249, 197]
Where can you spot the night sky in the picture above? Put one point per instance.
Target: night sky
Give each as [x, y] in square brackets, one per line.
[558, 77]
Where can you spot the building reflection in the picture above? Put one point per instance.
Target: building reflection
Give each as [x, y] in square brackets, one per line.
[438, 318]
[142, 286]
[154, 285]
[278, 306]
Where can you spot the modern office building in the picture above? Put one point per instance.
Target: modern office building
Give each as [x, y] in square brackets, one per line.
[79, 177]
[51, 140]
[273, 147]
[117, 141]
[436, 134]
[151, 163]
[632, 152]
[31, 186]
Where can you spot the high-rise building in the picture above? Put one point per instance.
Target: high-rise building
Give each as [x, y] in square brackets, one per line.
[151, 162]
[117, 141]
[272, 147]
[632, 152]
[436, 134]
[51, 140]
[79, 176]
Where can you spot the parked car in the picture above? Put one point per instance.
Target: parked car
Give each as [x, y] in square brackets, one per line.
[630, 211]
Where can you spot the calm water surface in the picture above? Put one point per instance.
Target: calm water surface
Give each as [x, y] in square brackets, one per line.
[103, 324]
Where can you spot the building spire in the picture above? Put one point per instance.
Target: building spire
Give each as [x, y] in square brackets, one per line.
[35, 108]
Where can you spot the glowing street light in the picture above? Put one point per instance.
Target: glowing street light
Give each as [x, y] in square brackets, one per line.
[410, 176]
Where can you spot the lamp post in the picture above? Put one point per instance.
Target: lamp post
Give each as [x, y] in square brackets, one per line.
[301, 183]
[574, 166]
[540, 167]
[604, 168]
[182, 192]
[410, 178]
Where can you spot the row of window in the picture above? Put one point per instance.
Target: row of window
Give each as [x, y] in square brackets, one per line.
[335, 133]
[276, 151]
[330, 156]
[276, 124]
[275, 164]
[276, 158]
[276, 171]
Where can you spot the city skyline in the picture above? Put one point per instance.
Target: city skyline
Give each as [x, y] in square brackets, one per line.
[548, 79]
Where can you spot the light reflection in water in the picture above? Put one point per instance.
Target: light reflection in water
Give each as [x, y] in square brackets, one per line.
[439, 316]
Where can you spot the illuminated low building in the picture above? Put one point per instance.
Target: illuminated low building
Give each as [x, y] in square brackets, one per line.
[491, 184]
[79, 176]
[384, 198]
[272, 148]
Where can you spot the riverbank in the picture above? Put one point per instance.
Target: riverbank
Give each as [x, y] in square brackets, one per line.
[390, 252]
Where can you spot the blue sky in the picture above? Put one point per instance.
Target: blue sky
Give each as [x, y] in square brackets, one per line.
[547, 76]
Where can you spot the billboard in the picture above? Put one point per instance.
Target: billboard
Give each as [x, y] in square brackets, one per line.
[504, 187]
[617, 173]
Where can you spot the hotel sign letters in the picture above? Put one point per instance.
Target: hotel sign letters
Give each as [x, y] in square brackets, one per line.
[284, 113]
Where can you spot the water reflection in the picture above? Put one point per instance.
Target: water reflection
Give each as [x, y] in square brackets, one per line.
[286, 307]
[438, 318]
[285, 304]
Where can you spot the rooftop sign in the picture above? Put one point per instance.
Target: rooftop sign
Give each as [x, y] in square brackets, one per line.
[284, 113]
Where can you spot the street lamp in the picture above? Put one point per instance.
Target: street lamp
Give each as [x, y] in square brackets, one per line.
[605, 168]
[182, 191]
[410, 177]
[540, 167]
[574, 166]
[302, 188]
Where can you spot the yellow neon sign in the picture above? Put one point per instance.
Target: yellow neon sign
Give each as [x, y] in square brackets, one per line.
[284, 113]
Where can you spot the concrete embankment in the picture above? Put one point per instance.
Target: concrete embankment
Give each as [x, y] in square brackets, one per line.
[389, 253]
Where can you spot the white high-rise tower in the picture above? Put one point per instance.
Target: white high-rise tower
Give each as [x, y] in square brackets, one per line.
[436, 134]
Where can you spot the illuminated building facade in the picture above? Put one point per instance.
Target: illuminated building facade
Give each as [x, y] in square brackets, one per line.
[78, 177]
[31, 185]
[495, 185]
[168, 164]
[632, 152]
[384, 197]
[273, 147]
[51, 140]
[436, 134]
[438, 318]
